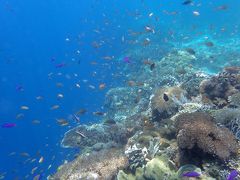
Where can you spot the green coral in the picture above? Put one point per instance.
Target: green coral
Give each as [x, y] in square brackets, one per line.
[158, 169]
[155, 169]
[137, 176]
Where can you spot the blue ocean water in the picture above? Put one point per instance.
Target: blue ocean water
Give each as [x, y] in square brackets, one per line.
[39, 36]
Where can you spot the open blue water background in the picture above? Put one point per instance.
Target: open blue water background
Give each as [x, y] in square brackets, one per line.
[34, 39]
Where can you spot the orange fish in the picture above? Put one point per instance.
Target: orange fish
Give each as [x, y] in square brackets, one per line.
[102, 86]
[62, 122]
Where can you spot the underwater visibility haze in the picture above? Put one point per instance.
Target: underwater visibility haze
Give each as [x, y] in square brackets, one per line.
[125, 90]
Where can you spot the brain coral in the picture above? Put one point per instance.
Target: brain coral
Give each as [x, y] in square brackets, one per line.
[198, 130]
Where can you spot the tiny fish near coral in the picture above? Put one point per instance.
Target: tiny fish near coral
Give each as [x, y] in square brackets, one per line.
[81, 134]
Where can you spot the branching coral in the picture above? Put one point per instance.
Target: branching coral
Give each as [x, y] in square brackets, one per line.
[142, 147]
[235, 127]
[234, 100]
[198, 130]
[191, 85]
[218, 88]
[225, 116]
[136, 156]
[229, 117]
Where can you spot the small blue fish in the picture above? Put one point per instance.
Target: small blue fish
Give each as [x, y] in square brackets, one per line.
[233, 174]
[191, 174]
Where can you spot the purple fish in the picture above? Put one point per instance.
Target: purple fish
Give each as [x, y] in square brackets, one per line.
[60, 65]
[191, 174]
[126, 60]
[8, 125]
[233, 174]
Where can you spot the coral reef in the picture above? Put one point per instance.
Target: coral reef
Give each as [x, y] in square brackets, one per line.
[225, 116]
[166, 101]
[230, 118]
[197, 130]
[142, 147]
[157, 168]
[170, 118]
[126, 100]
[136, 157]
[219, 88]
[170, 70]
[234, 126]
[87, 136]
[96, 165]
[192, 83]
[234, 100]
